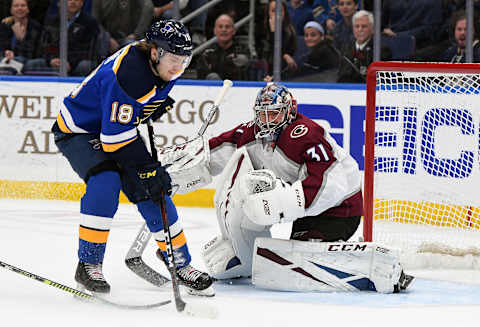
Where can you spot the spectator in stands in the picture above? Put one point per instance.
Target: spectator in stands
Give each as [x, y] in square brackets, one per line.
[53, 8]
[418, 18]
[357, 55]
[300, 13]
[124, 20]
[343, 32]
[320, 62]
[328, 14]
[20, 36]
[235, 9]
[324, 11]
[226, 59]
[37, 8]
[456, 52]
[289, 41]
[82, 35]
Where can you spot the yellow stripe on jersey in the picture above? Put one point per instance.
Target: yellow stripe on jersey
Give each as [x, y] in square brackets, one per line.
[177, 242]
[93, 235]
[154, 104]
[147, 96]
[118, 61]
[114, 147]
[61, 124]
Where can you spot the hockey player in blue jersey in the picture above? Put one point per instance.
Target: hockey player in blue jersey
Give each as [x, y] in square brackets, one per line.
[96, 130]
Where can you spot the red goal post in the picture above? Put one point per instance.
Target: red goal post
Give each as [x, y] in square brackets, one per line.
[422, 154]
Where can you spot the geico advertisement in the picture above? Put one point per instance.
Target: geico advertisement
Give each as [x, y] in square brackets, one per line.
[431, 142]
[29, 109]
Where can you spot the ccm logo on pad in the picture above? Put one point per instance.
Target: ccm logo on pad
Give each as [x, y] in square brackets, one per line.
[347, 247]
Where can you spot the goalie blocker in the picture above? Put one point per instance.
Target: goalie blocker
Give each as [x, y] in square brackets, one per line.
[289, 265]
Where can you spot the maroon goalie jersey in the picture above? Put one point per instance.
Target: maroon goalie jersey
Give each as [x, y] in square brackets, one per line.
[304, 151]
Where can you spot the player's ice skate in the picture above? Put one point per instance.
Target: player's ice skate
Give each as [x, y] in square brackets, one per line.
[90, 277]
[195, 281]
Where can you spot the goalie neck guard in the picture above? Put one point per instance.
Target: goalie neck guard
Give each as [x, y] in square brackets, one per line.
[274, 107]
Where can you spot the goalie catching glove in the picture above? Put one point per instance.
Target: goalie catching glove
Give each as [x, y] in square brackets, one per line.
[269, 200]
[187, 164]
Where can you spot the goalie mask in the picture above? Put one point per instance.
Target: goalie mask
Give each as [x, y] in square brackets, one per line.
[274, 108]
[173, 42]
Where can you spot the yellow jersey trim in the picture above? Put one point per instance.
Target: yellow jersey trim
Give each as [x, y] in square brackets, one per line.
[147, 96]
[61, 124]
[119, 60]
[116, 146]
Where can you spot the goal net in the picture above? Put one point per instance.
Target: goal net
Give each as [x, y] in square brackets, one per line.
[422, 162]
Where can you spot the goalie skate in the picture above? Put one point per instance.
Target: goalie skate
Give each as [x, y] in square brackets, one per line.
[90, 277]
[195, 281]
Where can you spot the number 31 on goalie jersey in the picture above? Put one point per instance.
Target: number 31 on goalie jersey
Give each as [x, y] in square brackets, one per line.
[318, 153]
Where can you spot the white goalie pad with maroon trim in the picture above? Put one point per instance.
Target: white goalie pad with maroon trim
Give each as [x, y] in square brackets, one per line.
[289, 265]
[234, 225]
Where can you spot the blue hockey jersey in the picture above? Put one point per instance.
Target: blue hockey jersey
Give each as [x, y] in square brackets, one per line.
[118, 95]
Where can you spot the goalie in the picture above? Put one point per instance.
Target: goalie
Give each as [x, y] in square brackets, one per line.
[283, 167]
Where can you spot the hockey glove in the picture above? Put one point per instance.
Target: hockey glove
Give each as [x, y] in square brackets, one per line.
[156, 180]
[268, 200]
[163, 108]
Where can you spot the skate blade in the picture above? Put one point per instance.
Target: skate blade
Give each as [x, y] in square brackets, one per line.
[83, 289]
[208, 292]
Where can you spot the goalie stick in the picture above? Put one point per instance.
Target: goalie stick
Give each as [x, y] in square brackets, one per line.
[78, 293]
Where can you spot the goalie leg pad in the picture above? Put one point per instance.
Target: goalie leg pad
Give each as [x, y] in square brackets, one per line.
[221, 261]
[237, 241]
[238, 232]
[312, 266]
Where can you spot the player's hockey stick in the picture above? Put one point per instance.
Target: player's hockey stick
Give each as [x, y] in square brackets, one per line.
[197, 310]
[78, 293]
[179, 303]
[133, 259]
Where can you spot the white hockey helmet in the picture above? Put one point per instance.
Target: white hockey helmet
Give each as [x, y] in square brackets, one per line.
[274, 107]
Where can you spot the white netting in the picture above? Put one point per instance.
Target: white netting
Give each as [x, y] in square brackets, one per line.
[426, 163]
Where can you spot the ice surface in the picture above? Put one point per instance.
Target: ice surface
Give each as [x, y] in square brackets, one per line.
[41, 237]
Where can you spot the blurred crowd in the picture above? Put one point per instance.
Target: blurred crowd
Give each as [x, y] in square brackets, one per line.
[322, 40]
